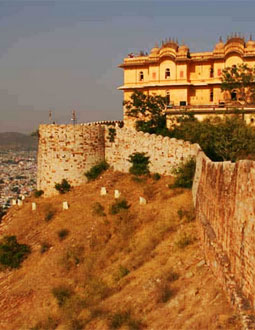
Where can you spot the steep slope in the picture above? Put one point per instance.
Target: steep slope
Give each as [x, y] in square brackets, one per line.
[140, 268]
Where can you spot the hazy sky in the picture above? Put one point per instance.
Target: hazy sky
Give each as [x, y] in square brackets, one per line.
[63, 55]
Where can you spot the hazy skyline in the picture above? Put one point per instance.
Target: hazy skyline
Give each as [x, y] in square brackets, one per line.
[63, 55]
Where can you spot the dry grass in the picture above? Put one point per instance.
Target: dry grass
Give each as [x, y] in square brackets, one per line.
[119, 269]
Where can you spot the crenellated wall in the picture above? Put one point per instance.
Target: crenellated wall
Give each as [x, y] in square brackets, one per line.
[165, 153]
[224, 198]
[67, 152]
[223, 192]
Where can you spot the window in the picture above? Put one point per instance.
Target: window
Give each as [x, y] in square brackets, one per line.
[167, 98]
[167, 73]
[233, 95]
[211, 72]
[141, 75]
[154, 75]
[181, 74]
[211, 95]
[219, 72]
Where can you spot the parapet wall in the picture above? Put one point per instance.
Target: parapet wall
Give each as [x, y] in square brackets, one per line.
[165, 153]
[67, 152]
[224, 198]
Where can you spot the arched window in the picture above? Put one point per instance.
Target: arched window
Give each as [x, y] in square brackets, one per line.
[141, 76]
[167, 73]
[167, 98]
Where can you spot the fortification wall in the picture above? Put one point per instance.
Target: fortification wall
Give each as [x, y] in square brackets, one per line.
[67, 152]
[224, 197]
[165, 153]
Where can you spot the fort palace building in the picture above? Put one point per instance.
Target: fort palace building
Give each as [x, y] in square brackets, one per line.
[186, 78]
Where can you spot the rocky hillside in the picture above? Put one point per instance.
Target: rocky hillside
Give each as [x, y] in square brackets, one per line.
[17, 141]
[99, 266]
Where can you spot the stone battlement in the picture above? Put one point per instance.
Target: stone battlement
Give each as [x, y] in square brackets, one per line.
[68, 151]
[223, 192]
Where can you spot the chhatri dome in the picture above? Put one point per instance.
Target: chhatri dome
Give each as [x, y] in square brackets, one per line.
[183, 48]
[250, 43]
[220, 45]
[154, 51]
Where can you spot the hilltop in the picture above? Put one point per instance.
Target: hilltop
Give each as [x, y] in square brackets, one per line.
[141, 268]
[17, 141]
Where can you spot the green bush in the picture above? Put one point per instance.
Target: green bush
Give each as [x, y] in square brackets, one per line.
[184, 174]
[140, 163]
[228, 138]
[62, 294]
[72, 257]
[62, 234]
[156, 176]
[183, 241]
[166, 294]
[63, 187]
[96, 170]
[12, 253]
[173, 276]
[122, 272]
[49, 215]
[44, 247]
[98, 209]
[120, 319]
[38, 193]
[118, 206]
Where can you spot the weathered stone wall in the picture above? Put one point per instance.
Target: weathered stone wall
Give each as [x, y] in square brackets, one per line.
[224, 197]
[165, 153]
[67, 152]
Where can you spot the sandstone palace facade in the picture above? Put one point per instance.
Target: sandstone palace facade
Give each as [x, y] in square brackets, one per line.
[186, 78]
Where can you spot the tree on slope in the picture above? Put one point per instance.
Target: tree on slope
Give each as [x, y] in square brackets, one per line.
[149, 111]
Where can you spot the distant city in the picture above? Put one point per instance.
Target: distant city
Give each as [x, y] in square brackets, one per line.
[17, 175]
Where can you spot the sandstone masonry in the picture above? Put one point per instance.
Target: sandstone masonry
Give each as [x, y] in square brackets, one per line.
[223, 193]
[224, 198]
[68, 151]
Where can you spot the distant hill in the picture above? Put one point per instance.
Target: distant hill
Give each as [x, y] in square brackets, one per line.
[17, 141]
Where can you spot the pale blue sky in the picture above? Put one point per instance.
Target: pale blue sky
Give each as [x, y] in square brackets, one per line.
[63, 55]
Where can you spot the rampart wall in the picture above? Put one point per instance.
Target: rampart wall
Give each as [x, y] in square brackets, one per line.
[224, 198]
[223, 193]
[165, 153]
[67, 152]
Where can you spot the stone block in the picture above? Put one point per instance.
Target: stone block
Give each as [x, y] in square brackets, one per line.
[117, 194]
[103, 191]
[14, 202]
[20, 203]
[142, 201]
[65, 206]
[33, 206]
